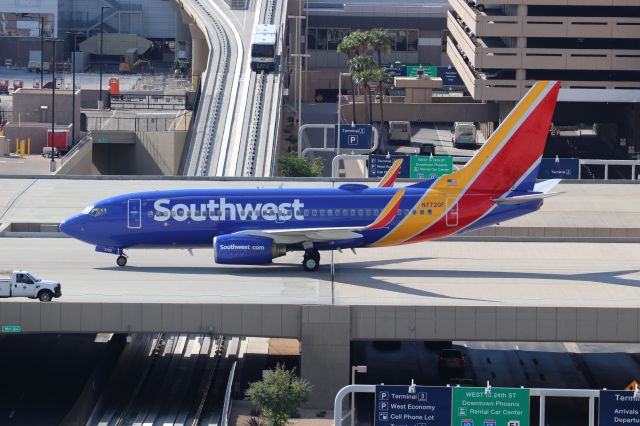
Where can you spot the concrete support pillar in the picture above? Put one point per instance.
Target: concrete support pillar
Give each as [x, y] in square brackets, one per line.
[326, 338]
[200, 51]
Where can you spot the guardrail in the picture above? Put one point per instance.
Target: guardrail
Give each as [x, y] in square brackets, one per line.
[606, 163]
[226, 408]
[76, 148]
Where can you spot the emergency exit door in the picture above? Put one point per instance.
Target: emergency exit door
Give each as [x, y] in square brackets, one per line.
[134, 209]
[452, 212]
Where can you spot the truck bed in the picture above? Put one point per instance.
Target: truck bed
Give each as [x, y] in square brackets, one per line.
[5, 287]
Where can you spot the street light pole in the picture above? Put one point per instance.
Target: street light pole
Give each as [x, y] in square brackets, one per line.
[52, 165]
[355, 369]
[102, 8]
[41, 52]
[340, 74]
[73, 94]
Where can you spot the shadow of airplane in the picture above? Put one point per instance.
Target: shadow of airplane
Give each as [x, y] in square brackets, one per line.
[369, 274]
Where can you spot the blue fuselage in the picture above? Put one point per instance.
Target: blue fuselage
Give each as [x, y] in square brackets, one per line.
[192, 218]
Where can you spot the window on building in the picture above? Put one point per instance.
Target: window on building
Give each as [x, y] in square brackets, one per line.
[401, 41]
[412, 41]
[321, 39]
[311, 38]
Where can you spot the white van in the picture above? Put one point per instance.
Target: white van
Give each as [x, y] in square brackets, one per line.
[464, 133]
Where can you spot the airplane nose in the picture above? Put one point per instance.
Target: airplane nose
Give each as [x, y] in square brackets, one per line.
[70, 227]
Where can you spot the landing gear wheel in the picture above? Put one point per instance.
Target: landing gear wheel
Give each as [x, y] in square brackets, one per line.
[121, 260]
[311, 261]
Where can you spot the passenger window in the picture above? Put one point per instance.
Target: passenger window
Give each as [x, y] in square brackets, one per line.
[353, 212]
[337, 212]
[421, 212]
[321, 212]
[429, 212]
[330, 212]
[314, 212]
[376, 212]
[306, 212]
[360, 212]
[368, 212]
[413, 212]
[345, 212]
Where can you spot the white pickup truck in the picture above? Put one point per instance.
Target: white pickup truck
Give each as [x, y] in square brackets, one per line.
[26, 284]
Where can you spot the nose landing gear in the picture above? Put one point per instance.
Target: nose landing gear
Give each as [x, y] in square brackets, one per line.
[311, 260]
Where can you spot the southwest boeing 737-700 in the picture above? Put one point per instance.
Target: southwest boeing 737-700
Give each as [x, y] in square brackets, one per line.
[254, 226]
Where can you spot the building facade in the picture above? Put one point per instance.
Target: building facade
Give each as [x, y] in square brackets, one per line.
[500, 47]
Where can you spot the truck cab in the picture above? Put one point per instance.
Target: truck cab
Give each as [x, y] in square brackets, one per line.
[27, 284]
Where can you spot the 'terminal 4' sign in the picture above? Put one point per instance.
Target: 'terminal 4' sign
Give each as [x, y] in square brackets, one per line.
[427, 406]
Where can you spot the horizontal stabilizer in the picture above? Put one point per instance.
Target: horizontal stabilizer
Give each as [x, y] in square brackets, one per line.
[546, 186]
[520, 199]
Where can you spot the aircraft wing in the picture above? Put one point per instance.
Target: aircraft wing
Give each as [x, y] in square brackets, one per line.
[293, 236]
[300, 235]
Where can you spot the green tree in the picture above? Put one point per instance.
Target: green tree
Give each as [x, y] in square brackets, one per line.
[380, 41]
[279, 394]
[360, 68]
[294, 166]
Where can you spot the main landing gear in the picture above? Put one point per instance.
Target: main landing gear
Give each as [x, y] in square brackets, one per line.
[121, 260]
[311, 260]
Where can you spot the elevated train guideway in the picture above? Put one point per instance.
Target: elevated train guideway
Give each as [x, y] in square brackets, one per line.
[583, 288]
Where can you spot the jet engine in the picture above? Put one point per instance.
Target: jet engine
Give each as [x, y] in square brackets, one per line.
[246, 250]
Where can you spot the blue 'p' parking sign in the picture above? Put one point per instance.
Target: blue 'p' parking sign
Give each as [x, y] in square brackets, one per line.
[356, 136]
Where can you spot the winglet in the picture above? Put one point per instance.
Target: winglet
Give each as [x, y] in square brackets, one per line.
[390, 177]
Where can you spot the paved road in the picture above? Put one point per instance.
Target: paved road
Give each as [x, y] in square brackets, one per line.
[438, 273]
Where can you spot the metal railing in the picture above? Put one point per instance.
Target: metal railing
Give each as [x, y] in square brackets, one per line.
[82, 142]
[226, 408]
[591, 394]
[139, 124]
[606, 163]
[148, 101]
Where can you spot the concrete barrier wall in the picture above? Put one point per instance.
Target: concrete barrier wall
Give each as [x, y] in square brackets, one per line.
[484, 323]
[427, 113]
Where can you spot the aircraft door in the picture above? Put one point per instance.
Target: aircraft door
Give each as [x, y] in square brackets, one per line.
[134, 214]
[452, 212]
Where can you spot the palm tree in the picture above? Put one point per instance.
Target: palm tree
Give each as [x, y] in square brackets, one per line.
[380, 41]
[360, 68]
[383, 80]
[351, 46]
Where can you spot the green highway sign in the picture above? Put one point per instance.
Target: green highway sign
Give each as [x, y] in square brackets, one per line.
[412, 70]
[101, 140]
[11, 329]
[502, 407]
[426, 167]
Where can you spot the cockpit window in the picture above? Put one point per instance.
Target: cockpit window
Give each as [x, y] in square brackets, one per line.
[97, 211]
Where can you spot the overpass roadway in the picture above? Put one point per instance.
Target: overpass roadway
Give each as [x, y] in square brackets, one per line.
[583, 289]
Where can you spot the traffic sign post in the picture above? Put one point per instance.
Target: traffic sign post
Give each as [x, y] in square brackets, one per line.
[618, 407]
[431, 71]
[423, 406]
[559, 168]
[428, 167]
[354, 136]
[380, 164]
[499, 407]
